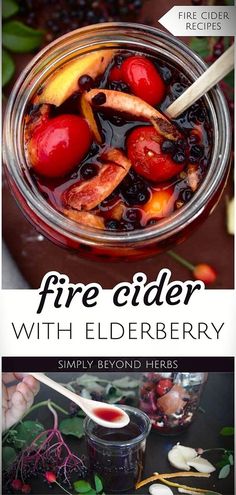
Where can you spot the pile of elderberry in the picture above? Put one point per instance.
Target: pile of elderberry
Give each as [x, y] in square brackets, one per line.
[58, 17]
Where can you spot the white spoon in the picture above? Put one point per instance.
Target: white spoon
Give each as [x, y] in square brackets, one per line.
[94, 409]
[215, 73]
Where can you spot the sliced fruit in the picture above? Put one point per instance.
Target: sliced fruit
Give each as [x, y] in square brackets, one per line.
[87, 112]
[58, 145]
[134, 106]
[143, 78]
[116, 212]
[32, 121]
[147, 158]
[64, 82]
[86, 195]
[161, 204]
[85, 218]
[174, 400]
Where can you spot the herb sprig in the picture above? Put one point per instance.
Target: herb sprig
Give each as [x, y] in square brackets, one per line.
[16, 38]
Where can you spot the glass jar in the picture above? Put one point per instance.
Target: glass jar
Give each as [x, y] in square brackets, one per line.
[171, 400]
[117, 454]
[87, 240]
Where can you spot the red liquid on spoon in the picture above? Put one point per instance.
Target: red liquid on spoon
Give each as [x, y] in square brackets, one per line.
[108, 414]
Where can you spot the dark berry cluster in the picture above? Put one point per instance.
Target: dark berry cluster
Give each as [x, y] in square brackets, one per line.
[58, 17]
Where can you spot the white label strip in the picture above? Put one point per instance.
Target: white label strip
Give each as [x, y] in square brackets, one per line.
[200, 21]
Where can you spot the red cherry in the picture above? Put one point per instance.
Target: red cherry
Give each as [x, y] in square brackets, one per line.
[147, 158]
[143, 79]
[16, 484]
[116, 74]
[205, 272]
[163, 386]
[50, 477]
[58, 145]
[26, 488]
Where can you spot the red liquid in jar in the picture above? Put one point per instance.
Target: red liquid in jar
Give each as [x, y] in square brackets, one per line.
[108, 414]
[132, 204]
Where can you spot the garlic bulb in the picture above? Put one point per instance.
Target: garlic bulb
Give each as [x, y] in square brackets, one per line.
[183, 458]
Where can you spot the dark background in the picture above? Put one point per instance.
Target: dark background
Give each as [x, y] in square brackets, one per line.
[217, 411]
[35, 255]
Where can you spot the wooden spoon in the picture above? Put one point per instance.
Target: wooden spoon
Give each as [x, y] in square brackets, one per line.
[215, 73]
[106, 415]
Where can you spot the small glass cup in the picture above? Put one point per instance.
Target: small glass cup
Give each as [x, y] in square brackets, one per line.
[116, 455]
[171, 400]
[95, 243]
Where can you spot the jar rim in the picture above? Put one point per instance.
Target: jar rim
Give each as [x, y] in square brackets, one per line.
[164, 228]
[119, 443]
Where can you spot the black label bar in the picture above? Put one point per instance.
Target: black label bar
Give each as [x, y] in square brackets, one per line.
[117, 364]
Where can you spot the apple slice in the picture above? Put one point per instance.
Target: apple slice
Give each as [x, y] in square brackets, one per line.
[64, 81]
[86, 195]
[85, 218]
[87, 112]
[134, 106]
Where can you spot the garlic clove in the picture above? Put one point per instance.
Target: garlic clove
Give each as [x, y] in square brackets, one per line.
[179, 456]
[159, 489]
[202, 465]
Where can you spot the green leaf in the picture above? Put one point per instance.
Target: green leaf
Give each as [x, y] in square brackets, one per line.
[231, 460]
[224, 472]
[91, 492]
[86, 378]
[227, 431]
[229, 79]
[72, 426]
[126, 382]
[8, 67]
[82, 486]
[98, 483]
[20, 38]
[8, 457]
[9, 8]
[200, 45]
[26, 432]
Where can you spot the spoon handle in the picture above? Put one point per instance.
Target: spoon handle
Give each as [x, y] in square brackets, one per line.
[215, 73]
[56, 386]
